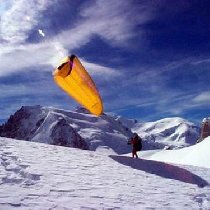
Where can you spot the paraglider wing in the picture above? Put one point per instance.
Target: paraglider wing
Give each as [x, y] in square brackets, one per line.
[72, 77]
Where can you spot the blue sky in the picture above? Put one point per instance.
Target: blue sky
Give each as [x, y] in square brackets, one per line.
[149, 59]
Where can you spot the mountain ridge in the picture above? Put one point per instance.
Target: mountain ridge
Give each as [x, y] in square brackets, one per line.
[83, 130]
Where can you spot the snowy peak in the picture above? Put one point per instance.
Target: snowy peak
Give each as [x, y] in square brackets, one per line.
[20, 124]
[169, 132]
[39, 124]
[78, 129]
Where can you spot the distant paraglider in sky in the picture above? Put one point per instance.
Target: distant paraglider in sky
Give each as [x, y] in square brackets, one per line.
[41, 32]
[72, 77]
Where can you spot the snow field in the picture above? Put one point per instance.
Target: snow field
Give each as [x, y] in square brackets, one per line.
[41, 176]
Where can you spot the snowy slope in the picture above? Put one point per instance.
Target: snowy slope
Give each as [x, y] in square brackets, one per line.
[197, 155]
[168, 132]
[40, 176]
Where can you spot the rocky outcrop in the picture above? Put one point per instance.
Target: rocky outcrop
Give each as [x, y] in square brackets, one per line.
[40, 124]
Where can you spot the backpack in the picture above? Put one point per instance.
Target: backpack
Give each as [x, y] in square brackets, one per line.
[139, 144]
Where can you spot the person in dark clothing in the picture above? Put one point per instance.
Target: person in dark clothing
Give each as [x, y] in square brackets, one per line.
[135, 141]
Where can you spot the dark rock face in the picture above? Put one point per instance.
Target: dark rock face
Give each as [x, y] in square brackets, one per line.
[64, 135]
[13, 129]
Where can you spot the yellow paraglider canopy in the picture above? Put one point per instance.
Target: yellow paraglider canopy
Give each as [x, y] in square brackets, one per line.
[72, 77]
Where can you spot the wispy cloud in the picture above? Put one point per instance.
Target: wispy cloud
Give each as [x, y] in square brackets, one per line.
[116, 20]
[43, 57]
[18, 58]
[203, 98]
[178, 103]
[158, 87]
[99, 70]
[113, 21]
[30, 89]
[21, 18]
[197, 62]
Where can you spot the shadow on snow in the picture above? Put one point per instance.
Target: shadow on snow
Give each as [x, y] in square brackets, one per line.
[161, 169]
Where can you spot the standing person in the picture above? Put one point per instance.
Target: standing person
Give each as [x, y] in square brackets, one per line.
[136, 143]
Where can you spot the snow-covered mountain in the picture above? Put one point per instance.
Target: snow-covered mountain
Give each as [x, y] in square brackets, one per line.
[67, 128]
[39, 124]
[81, 129]
[168, 133]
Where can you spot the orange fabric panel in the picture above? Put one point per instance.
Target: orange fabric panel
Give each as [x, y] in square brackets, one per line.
[72, 77]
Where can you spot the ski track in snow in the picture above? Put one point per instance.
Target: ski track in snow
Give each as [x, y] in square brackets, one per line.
[40, 176]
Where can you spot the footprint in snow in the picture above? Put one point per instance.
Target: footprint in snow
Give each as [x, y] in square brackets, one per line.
[16, 172]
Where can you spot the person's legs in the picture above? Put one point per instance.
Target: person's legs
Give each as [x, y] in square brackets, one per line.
[134, 153]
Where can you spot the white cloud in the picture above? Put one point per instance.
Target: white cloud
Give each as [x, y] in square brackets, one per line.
[115, 21]
[4, 5]
[20, 19]
[16, 58]
[49, 54]
[203, 97]
[107, 19]
[177, 102]
[99, 70]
